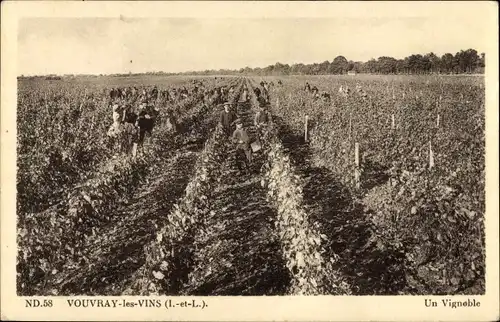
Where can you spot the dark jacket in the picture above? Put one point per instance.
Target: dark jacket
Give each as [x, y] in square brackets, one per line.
[262, 117]
[227, 119]
[146, 123]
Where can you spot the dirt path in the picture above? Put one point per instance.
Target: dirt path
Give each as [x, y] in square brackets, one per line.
[239, 252]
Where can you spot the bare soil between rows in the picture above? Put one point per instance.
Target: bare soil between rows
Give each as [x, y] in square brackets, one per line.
[368, 266]
[239, 253]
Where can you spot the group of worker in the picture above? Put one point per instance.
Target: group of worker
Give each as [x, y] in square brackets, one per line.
[314, 92]
[344, 91]
[135, 112]
[130, 129]
[236, 133]
[153, 93]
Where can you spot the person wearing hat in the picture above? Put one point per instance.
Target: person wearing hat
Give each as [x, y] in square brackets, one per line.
[244, 96]
[145, 121]
[242, 140]
[256, 90]
[262, 100]
[114, 129]
[262, 117]
[227, 117]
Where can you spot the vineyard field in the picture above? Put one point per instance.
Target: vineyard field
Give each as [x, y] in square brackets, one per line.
[378, 190]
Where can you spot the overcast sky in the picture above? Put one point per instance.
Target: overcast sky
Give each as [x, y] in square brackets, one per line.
[113, 45]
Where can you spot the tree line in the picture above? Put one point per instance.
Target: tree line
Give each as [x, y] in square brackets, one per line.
[465, 61]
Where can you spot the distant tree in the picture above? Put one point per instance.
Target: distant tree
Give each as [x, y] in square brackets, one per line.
[386, 65]
[350, 65]
[447, 62]
[465, 61]
[435, 62]
[481, 62]
[325, 67]
[340, 65]
[297, 69]
[370, 66]
[357, 66]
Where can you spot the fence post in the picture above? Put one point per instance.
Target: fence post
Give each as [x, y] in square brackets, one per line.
[393, 123]
[277, 102]
[437, 121]
[306, 138]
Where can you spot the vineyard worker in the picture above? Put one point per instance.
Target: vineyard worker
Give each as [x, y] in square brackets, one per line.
[227, 118]
[115, 128]
[262, 100]
[242, 140]
[315, 93]
[261, 120]
[145, 122]
[244, 96]
[120, 131]
[256, 90]
[154, 93]
[262, 117]
[326, 97]
[266, 87]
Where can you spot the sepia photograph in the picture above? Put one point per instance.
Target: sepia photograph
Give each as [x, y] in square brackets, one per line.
[251, 156]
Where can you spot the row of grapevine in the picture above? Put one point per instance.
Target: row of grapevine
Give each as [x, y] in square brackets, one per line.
[46, 247]
[61, 138]
[409, 201]
[157, 275]
[302, 243]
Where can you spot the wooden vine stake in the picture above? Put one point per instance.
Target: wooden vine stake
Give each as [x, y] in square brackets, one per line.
[134, 151]
[356, 162]
[393, 122]
[306, 134]
[356, 154]
[350, 124]
[431, 156]
[277, 102]
[438, 108]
